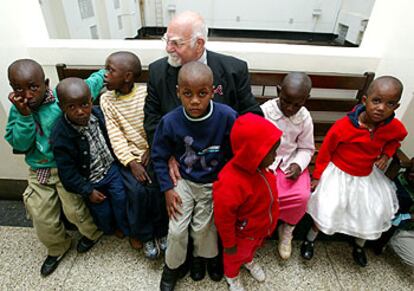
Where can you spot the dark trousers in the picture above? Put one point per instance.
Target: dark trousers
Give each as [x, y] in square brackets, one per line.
[112, 212]
[146, 210]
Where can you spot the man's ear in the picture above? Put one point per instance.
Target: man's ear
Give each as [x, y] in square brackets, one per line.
[364, 99]
[278, 89]
[200, 44]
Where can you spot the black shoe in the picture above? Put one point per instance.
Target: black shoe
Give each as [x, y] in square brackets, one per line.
[197, 269]
[50, 264]
[85, 244]
[183, 270]
[359, 256]
[306, 249]
[169, 278]
[215, 268]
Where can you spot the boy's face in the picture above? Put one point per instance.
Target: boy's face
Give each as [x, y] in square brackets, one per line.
[29, 85]
[291, 100]
[78, 108]
[381, 103]
[270, 157]
[115, 75]
[195, 95]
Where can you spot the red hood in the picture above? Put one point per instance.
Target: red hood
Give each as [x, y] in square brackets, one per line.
[251, 138]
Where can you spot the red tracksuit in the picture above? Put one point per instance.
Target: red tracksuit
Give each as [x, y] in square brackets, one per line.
[245, 198]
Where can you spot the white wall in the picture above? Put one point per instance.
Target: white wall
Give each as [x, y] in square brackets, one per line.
[55, 18]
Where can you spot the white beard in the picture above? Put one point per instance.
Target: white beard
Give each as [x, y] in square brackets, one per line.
[174, 60]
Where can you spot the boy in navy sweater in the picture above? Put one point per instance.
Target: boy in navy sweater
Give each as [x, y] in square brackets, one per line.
[197, 136]
[85, 161]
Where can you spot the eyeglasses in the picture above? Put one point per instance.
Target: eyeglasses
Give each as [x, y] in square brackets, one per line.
[175, 42]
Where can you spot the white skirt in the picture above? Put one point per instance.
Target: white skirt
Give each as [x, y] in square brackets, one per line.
[361, 207]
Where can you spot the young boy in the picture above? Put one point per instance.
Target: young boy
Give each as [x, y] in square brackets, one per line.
[84, 159]
[197, 136]
[245, 196]
[31, 120]
[123, 106]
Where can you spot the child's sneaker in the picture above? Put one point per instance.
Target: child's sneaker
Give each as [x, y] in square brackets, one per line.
[162, 243]
[151, 250]
[256, 271]
[235, 284]
[285, 242]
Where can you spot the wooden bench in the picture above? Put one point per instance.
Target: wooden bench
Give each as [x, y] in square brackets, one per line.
[325, 110]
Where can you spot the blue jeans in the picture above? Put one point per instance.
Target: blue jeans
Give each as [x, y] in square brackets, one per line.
[112, 212]
[147, 214]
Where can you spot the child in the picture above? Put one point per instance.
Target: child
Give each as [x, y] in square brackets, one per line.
[294, 153]
[84, 159]
[245, 196]
[123, 109]
[197, 136]
[31, 120]
[402, 231]
[353, 196]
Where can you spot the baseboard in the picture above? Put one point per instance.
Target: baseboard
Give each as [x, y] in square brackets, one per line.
[12, 189]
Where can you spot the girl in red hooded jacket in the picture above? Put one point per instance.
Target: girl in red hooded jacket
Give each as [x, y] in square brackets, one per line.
[245, 196]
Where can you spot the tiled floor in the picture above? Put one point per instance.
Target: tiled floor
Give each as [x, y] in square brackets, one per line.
[113, 265]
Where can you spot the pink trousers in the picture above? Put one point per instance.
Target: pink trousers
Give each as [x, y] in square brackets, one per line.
[293, 196]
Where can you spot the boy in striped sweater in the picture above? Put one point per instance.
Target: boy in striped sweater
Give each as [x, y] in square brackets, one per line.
[122, 106]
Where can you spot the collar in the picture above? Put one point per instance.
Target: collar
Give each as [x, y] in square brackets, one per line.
[358, 109]
[79, 128]
[210, 112]
[275, 113]
[203, 58]
[127, 96]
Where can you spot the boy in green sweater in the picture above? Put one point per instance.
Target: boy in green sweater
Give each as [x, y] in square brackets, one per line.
[31, 120]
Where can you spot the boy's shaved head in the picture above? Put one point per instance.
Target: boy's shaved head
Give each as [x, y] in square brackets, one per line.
[388, 82]
[71, 88]
[25, 67]
[128, 62]
[298, 82]
[195, 71]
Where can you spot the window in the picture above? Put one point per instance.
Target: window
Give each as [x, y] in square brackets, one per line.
[94, 32]
[117, 5]
[120, 26]
[86, 9]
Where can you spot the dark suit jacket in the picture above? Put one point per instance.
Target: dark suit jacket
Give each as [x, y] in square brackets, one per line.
[231, 80]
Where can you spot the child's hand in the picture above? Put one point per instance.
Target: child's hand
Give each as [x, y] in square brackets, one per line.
[96, 197]
[293, 171]
[139, 172]
[231, 250]
[145, 158]
[173, 202]
[314, 184]
[20, 103]
[173, 169]
[382, 162]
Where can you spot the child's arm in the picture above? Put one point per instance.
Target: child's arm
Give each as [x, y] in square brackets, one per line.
[226, 203]
[95, 83]
[305, 146]
[328, 147]
[20, 130]
[69, 175]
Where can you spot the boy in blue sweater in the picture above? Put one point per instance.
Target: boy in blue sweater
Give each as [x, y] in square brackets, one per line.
[197, 136]
[85, 161]
[29, 127]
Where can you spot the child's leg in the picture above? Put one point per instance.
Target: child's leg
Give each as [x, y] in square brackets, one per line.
[178, 229]
[118, 199]
[203, 230]
[102, 214]
[77, 212]
[306, 249]
[358, 252]
[43, 205]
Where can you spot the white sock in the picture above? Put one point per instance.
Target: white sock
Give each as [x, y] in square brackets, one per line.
[312, 234]
[360, 242]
